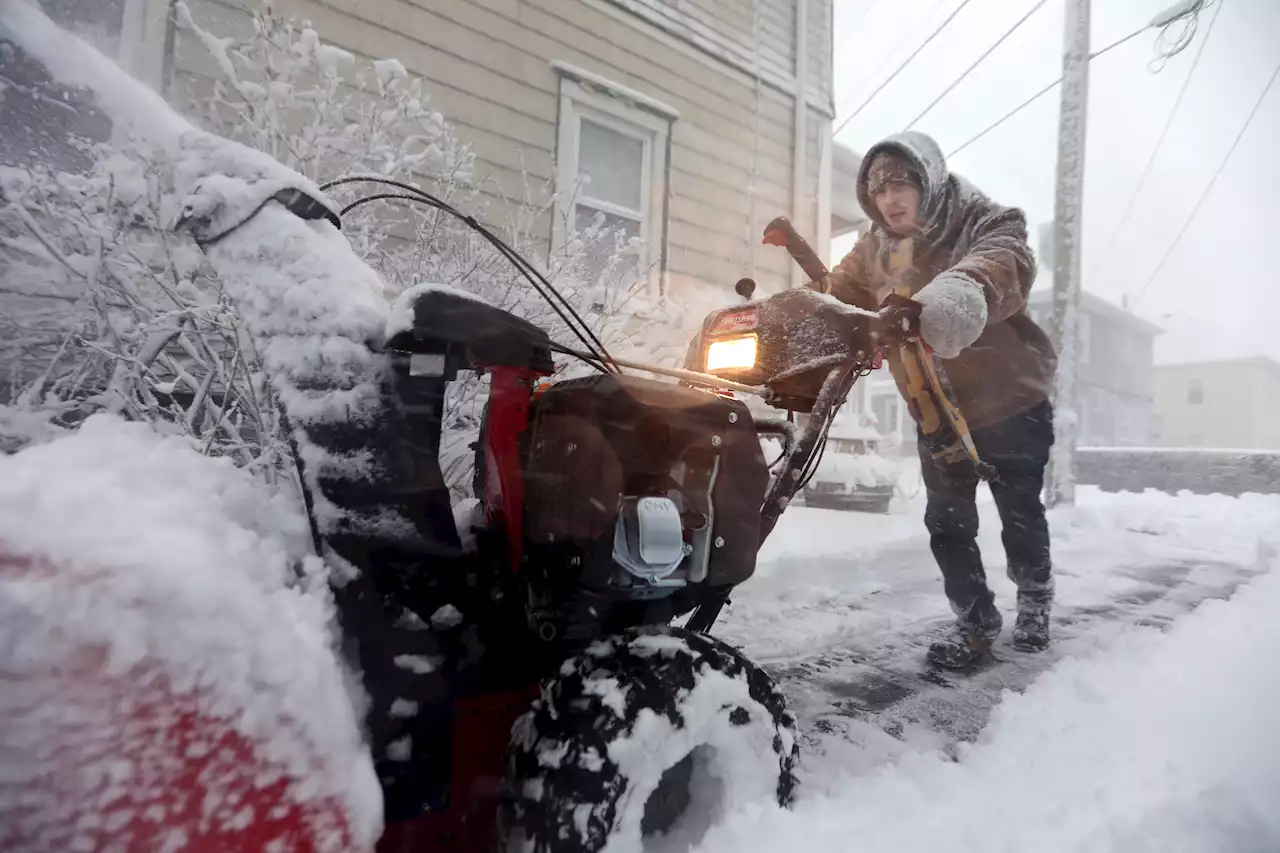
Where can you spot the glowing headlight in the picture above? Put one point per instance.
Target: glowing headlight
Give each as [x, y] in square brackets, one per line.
[732, 354]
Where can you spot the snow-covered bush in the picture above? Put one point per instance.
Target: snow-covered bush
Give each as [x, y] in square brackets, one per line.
[134, 322]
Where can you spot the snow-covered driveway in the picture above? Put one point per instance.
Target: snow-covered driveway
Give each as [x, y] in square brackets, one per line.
[844, 604]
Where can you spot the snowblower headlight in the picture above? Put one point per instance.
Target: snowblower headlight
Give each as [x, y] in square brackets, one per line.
[732, 354]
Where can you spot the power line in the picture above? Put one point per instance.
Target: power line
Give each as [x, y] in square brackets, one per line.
[1013, 112]
[1209, 187]
[903, 66]
[1038, 95]
[956, 82]
[1164, 132]
[881, 58]
[861, 17]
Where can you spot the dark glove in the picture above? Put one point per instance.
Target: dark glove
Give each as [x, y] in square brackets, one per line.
[899, 320]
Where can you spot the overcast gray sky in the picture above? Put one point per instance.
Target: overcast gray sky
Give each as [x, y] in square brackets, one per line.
[1219, 293]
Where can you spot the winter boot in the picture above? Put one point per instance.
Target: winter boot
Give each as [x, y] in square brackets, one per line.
[1031, 630]
[963, 646]
[1035, 598]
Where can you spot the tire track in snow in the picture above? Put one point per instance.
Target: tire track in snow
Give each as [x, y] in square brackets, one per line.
[883, 682]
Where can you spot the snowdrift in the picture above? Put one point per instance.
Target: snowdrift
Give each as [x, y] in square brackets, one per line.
[165, 682]
[1157, 741]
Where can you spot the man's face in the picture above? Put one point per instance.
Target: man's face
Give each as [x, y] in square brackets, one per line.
[899, 205]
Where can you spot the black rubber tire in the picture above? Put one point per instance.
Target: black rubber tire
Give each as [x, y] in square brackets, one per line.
[584, 760]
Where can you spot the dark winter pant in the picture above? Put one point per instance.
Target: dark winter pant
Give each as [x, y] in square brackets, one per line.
[1018, 448]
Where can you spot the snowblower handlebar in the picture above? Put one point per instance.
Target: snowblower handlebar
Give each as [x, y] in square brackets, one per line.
[780, 232]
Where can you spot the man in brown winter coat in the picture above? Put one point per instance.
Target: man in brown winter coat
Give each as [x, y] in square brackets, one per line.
[965, 264]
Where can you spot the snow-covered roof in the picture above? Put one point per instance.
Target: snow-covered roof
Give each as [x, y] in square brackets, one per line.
[1091, 303]
[1195, 338]
[1195, 359]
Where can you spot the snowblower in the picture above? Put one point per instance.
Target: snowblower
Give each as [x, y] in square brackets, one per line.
[531, 689]
[562, 708]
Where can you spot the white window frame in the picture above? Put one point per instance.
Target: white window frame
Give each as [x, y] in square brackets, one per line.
[596, 103]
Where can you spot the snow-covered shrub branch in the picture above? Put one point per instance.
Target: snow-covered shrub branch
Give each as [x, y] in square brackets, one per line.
[131, 322]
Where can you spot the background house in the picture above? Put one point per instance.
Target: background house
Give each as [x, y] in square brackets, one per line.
[701, 119]
[1115, 380]
[1231, 403]
[1115, 346]
[697, 121]
[686, 123]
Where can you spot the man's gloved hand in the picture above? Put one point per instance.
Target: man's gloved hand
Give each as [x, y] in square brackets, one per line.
[899, 320]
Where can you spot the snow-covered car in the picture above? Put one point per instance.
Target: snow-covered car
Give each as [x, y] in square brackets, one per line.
[852, 475]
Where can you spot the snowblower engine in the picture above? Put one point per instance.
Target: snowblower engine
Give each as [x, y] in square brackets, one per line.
[615, 497]
[637, 490]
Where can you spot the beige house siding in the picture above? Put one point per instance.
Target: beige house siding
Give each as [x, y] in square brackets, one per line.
[821, 50]
[488, 65]
[737, 28]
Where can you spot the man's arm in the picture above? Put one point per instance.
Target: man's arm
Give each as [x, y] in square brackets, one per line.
[850, 280]
[988, 285]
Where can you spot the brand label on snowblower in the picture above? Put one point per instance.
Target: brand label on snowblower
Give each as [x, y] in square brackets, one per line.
[741, 320]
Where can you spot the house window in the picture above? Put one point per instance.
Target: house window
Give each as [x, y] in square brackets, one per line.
[611, 175]
[611, 181]
[1195, 392]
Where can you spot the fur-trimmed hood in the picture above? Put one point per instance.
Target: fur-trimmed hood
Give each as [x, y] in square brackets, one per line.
[923, 153]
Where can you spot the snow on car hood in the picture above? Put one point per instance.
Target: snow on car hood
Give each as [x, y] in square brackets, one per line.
[862, 469]
[166, 559]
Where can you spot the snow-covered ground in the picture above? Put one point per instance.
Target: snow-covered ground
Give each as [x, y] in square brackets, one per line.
[1148, 725]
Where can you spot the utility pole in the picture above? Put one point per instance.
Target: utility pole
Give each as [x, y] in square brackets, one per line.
[1067, 216]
